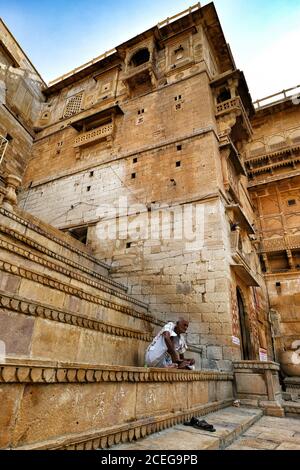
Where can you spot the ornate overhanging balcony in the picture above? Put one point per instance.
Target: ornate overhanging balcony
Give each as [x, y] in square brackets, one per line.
[91, 118]
[94, 135]
[242, 262]
[235, 105]
[140, 74]
[289, 242]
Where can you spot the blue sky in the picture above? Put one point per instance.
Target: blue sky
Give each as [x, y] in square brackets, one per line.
[59, 35]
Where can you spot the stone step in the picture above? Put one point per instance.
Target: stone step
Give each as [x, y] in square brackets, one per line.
[34, 330]
[52, 238]
[229, 423]
[61, 269]
[270, 433]
[38, 250]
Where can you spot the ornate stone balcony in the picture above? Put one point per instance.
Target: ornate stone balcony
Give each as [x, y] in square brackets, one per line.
[235, 105]
[289, 242]
[94, 135]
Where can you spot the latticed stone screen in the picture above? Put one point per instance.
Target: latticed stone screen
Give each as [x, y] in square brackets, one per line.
[73, 105]
[3, 145]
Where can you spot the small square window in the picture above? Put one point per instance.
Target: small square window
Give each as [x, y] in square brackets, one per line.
[88, 188]
[292, 202]
[133, 176]
[178, 164]
[135, 160]
[91, 174]
[179, 148]
[128, 245]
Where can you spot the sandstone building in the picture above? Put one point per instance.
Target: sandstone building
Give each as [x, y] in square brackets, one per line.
[156, 134]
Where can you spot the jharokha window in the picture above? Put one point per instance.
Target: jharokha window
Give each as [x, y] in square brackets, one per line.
[73, 105]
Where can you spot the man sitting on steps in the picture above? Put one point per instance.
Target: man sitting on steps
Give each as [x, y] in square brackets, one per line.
[168, 347]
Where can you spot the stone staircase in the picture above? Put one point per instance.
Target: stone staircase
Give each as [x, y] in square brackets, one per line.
[230, 423]
[236, 429]
[72, 375]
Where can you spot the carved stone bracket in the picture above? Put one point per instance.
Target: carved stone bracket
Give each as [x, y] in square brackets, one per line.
[10, 199]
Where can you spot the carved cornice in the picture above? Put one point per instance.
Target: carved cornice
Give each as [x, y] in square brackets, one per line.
[27, 371]
[44, 233]
[256, 365]
[56, 267]
[71, 290]
[18, 304]
[105, 438]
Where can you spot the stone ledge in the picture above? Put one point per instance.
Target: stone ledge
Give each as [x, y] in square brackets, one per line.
[47, 372]
[71, 290]
[255, 365]
[55, 267]
[33, 226]
[21, 305]
[33, 244]
[106, 438]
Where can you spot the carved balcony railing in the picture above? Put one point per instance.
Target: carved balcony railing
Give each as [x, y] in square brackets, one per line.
[289, 242]
[94, 135]
[235, 104]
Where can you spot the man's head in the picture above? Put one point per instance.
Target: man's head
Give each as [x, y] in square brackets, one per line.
[181, 326]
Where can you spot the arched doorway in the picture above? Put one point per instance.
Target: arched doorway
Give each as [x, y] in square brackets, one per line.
[244, 327]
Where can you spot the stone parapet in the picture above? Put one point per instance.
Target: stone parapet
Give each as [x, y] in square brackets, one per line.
[113, 404]
[257, 384]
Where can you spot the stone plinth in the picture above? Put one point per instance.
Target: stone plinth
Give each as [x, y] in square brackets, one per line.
[50, 405]
[257, 384]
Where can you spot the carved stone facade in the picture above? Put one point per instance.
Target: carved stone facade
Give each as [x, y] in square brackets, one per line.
[160, 122]
[157, 133]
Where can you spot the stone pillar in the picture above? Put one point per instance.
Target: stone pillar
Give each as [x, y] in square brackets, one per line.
[10, 198]
[257, 384]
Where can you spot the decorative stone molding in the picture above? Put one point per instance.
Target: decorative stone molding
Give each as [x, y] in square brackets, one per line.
[58, 268]
[44, 233]
[103, 439]
[256, 365]
[23, 306]
[27, 371]
[71, 290]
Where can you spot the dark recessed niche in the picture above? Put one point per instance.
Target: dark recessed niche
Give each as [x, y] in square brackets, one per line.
[128, 245]
[133, 176]
[292, 202]
[134, 160]
[88, 188]
[91, 174]
[178, 164]
[179, 148]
